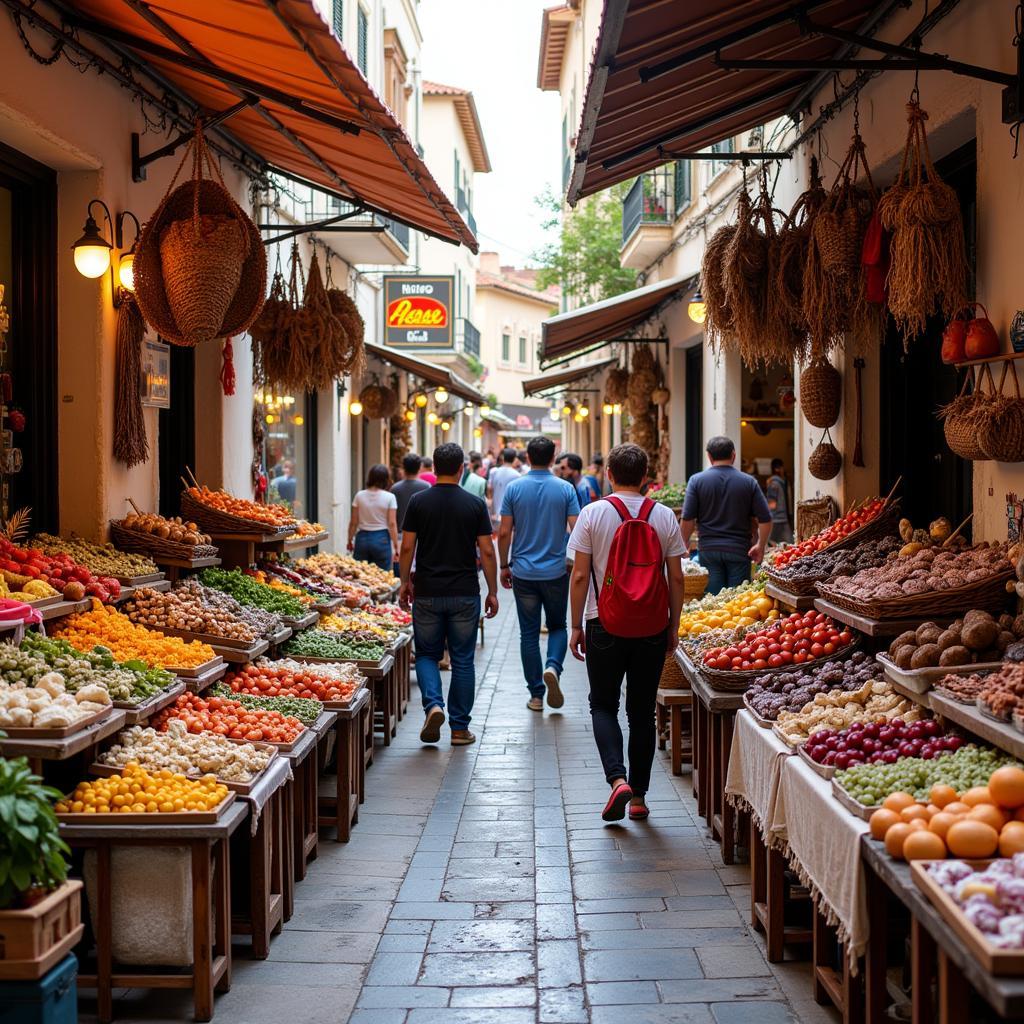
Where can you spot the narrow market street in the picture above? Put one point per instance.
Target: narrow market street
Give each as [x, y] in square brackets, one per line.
[481, 886]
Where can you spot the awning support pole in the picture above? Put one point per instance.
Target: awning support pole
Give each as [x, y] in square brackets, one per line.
[140, 162]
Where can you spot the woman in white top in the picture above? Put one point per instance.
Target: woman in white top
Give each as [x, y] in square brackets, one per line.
[373, 530]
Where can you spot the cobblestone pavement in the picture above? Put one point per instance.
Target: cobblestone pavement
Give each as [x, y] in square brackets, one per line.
[481, 886]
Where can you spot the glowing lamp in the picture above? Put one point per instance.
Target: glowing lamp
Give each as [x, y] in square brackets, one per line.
[433, 419]
[697, 308]
[607, 408]
[441, 396]
[410, 415]
[356, 408]
[298, 420]
[126, 271]
[478, 432]
[584, 411]
[92, 250]
[445, 425]
[617, 409]
[566, 410]
[421, 401]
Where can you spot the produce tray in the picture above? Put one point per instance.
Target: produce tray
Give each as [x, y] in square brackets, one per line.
[996, 961]
[203, 682]
[284, 748]
[309, 541]
[328, 606]
[140, 581]
[920, 680]
[985, 712]
[826, 771]
[200, 670]
[242, 656]
[941, 691]
[283, 634]
[136, 713]
[855, 808]
[764, 723]
[303, 622]
[203, 638]
[45, 602]
[156, 818]
[241, 788]
[738, 681]
[157, 548]
[57, 732]
[312, 659]
[213, 520]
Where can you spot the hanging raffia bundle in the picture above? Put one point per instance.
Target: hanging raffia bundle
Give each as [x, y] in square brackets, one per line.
[130, 443]
[285, 356]
[643, 379]
[834, 301]
[928, 270]
[331, 338]
[718, 324]
[617, 385]
[272, 322]
[345, 309]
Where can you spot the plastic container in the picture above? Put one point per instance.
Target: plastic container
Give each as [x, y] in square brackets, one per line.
[53, 999]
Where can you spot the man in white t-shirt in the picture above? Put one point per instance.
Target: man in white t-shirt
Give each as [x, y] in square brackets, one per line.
[609, 658]
[501, 476]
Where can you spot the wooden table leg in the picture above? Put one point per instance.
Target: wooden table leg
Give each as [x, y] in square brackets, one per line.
[953, 992]
[358, 767]
[104, 936]
[758, 873]
[822, 953]
[659, 724]
[728, 811]
[775, 898]
[876, 961]
[714, 806]
[343, 791]
[222, 909]
[922, 971]
[676, 738]
[853, 993]
[259, 883]
[281, 870]
[288, 850]
[202, 904]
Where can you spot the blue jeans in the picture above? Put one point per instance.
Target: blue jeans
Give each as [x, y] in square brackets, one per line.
[531, 596]
[373, 546]
[455, 620]
[725, 569]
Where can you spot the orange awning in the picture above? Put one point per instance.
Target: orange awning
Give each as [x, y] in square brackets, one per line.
[655, 88]
[311, 95]
[554, 381]
[432, 373]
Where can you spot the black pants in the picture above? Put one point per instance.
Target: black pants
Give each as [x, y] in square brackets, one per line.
[640, 660]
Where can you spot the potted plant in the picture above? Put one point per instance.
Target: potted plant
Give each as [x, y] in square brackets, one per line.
[40, 910]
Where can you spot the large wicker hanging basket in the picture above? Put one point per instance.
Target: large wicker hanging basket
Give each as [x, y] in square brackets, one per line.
[821, 392]
[200, 266]
[826, 460]
[379, 402]
[1001, 431]
[962, 419]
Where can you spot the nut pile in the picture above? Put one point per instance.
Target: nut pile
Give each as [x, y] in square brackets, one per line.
[166, 529]
[929, 570]
[977, 637]
[1003, 692]
[839, 709]
[828, 564]
[262, 622]
[963, 689]
[792, 691]
[99, 559]
[181, 609]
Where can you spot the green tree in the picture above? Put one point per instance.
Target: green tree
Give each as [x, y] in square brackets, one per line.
[584, 256]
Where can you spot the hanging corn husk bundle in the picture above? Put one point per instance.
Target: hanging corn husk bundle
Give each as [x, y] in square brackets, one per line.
[928, 271]
[617, 385]
[834, 302]
[718, 324]
[643, 379]
[352, 356]
[131, 445]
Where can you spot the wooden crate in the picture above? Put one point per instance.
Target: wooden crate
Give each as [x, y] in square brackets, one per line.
[34, 940]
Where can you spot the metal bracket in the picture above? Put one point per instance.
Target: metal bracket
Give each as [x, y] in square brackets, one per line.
[140, 162]
[725, 157]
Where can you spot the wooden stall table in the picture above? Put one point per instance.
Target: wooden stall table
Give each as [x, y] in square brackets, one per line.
[301, 798]
[382, 679]
[796, 602]
[670, 705]
[263, 856]
[402, 651]
[938, 955]
[341, 808]
[714, 711]
[238, 550]
[176, 566]
[211, 890]
[66, 747]
[875, 627]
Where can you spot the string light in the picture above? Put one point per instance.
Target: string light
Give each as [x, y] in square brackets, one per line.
[433, 418]
[445, 425]
[607, 408]
[421, 401]
[298, 420]
[441, 396]
[478, 432]
[584, 412]
[356, 408]
[697, 308]
[617, 409]
[410, 415]
[566, 410]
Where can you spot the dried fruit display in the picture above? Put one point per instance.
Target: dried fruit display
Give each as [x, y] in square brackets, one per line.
[992, 898]
[838, 531]
[100, 559]
[964, 689]
[343, 567]
[883, 741]
[1003, 692]
[183, 609]
[977, 637]
[842, 562]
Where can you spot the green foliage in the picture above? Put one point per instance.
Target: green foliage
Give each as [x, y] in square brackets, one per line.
[475, 366]
[584, 259]
[31, 850]
[493, 401]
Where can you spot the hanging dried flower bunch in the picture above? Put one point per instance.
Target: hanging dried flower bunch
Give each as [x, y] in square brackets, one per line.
[616, 386]
[718, 324]
[834, 301]
[131, 445]
[928, 272]
[352, 356]
[643, 379]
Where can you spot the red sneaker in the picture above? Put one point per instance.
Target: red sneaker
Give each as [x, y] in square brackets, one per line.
[615, 809]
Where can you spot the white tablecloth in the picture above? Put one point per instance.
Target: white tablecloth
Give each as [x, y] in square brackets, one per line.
[755, 768]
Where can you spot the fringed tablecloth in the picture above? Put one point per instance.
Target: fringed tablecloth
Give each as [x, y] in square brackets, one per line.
[755, 768]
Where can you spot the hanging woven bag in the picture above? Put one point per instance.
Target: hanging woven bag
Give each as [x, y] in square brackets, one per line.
[960, 420]
[1001, 429]
[826, 460]
[821, 393]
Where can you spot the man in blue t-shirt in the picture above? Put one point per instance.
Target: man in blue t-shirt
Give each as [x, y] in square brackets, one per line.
[721, 502]
[537, 511]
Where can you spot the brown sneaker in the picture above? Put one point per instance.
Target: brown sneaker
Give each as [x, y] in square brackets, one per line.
[535, 704]
[462, 738]
[431, 731]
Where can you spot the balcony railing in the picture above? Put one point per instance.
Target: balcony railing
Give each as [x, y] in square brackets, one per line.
[399, 232]
[651, 200]
[462, 203]
[323, 207]
[468, 336]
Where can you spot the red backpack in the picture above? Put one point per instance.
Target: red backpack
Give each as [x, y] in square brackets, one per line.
[633, 600]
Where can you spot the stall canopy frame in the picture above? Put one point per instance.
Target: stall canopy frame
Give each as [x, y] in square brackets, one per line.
[590, 327]
[553, 382]
[299, 106]
[432, 373]
[668, 80]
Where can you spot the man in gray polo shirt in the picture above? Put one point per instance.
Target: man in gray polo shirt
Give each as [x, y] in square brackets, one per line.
[721, 502]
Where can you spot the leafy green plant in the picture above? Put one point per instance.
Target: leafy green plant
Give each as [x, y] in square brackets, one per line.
[31, 849]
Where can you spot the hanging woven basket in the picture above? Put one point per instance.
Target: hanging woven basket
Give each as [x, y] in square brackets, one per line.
[821, 393]
[379, 401]
[200, 265]
[1001, 432]
[826, 460]
[962, 419]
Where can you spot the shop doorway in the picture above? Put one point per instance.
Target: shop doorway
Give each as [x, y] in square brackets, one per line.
[766, 425]
[916, 383]
[694, 411]
[178, 430]
[28, 252]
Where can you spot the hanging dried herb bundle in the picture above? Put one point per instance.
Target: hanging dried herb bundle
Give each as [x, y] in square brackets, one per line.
[718, 324]
[616, 387]
[643, 379]
[285, 363]
[835, 305]
[928, 271]
[131, 445]
[400, 442]
[272, 321]
[329, 339]
[354, 361]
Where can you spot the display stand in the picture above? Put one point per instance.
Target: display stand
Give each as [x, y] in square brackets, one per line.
[211, 900]
[768, 899]
[876, 627]
[833, 980]
[38, 750]
[176, 566]
[59, 609]
[796, 602]
[669, 709]
[382, 680]
[341, 809]
[238, 550]
[302, 795]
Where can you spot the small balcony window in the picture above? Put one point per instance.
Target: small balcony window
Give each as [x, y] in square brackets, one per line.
[506, 348]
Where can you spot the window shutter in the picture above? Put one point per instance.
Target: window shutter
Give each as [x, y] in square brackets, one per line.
[363, 41]
[338, 18]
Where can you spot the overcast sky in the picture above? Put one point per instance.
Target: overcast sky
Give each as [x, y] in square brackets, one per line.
[492, 50]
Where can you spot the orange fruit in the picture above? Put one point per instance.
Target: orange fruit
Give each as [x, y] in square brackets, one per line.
[917, 823]
[1011, 839]
[895, 838]
[972, 840]
[923, 845]
[881, 821]
[912, 811]
[1018, 815]
[932, 810]
[990, 814]
[1006, 785]
[897, 801]
[942, 794]
[940, 824]
[977, 795]
[956, 807]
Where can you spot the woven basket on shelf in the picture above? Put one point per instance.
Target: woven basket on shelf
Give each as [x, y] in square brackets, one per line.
[213, 520]
[814, 514]
[961, 419]
[149, 544]
[1001, 432]
[826, 460]
[738, 682]
[821, 393]
[694, 585]
[672, 677]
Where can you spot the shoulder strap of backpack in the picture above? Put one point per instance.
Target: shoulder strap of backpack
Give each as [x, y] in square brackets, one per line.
[645, 510]
[619, 505]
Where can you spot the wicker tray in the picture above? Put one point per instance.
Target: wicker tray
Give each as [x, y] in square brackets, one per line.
[738, 681]
[140, 581]
[920, 680]
[857, 809]
[764, 723]
[156, 818]
[798, 588]
[826, 771]
[148, 544]
[212, 520]
[56, 732]
[987, 595]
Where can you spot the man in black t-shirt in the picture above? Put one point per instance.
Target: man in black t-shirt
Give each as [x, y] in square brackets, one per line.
[444, 528]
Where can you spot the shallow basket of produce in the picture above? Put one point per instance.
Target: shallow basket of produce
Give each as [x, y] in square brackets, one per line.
[853, 806]
[150, 544]
[796, 587]
[140, 581]
[826, 771]
[921, 680]
[136, 713]
[205, 638]
[302, 622]
[37, 938]
[764, 723]
[149, 818]
[241, 788]
[57, 732]
[214, 520]
[196, 671]
[986, 712]
[992, 958]
[739, 681]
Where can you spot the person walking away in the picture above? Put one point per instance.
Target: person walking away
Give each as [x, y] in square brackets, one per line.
[572, 470]
[427, 472]
[444, 528]
[285, 485]
[472, 481]
[404, 489]
[625, 619]
[373, 528]
[500, 478]
[535, 513]
[721, 502]
[778, 503]
[594, 478]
